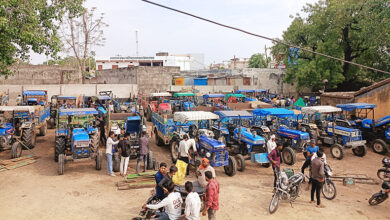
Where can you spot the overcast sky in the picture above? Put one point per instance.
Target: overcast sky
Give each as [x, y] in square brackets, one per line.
[161, 30]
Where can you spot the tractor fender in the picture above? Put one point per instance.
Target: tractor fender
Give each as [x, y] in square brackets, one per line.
[26, 125]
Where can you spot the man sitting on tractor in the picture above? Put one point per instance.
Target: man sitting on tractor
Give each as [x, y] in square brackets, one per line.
[200, 173]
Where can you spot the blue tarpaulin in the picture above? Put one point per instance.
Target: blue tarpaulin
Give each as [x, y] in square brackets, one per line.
[245, 91]
[33, 92]
[353, 106]
[213, 96]
[78, 111]
[66, 97]
[273, 111]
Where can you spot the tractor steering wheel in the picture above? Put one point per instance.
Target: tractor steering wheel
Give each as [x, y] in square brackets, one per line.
[193, 131]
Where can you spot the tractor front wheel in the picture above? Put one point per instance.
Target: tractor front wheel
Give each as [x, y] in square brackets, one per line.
[337, 151]
[240, 162]
[174, 151]
[379, 146]
[360, 151]
[61, 164]
[59, 147]
[16, 150]
[43, 129]
[115, 162]
[231, 168]
[98, 159]
[288, 156]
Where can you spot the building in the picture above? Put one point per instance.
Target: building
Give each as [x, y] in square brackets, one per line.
[235, 63]
[378, 94]
[186, 62]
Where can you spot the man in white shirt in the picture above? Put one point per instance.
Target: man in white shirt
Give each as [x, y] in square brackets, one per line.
[192, 203]
[183, 152]
[271, 144]
[109, 144]
[200, 173]
[172, 205]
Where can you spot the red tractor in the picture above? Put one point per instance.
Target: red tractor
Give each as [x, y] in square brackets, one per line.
[155, 102]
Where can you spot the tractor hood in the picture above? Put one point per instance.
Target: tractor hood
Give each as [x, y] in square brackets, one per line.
[133, 124]
[210, 143]
[4, 128]
[248, 137]
[79, 134]
[293, 134]
[188, 106]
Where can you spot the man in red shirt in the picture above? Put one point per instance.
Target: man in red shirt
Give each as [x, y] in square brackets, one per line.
[212, 194]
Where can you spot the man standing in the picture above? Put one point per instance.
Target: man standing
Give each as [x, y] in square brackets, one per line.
[271, 144]
[102, 126]
[19, 100]
[172, 205]
[274, 158]
[167, 179]
[318, 177]
[310, 150]
[110, 143]
[158, 177]
[124, 145]
[143, 151]
[200, 173]
[212, 196]
[183, 152]
[192, 208]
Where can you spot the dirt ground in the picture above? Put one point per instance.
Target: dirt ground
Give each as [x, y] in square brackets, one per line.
[37, 192]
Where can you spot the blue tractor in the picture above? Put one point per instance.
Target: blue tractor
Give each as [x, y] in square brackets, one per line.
[278, 119]
[57, 102]
[77, 137]
[329, 133]
[197, 124]
[235, 130]
[38, 99]
[375, 132]
[183, 101]
[17, 130]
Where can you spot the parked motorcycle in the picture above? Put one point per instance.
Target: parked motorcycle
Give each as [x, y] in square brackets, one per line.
[382, 195]
[152, 214]
[329, 189]
[384, 173]
[286, 189]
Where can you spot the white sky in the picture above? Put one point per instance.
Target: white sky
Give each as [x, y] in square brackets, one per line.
[163, 30]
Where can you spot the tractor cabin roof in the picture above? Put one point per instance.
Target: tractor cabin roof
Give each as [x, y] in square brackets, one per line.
[78, 111]
[29, 109]
[184, 117]
[353, 106]
[320, 109]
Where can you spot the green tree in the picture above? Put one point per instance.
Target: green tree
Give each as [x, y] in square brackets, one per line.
[258, 60]
[353, 30]
[31, 25]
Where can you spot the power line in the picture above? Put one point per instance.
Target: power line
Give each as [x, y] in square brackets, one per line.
[267, 38]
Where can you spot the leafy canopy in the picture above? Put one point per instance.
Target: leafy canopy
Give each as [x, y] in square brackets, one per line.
[258, 60]
[354, 30]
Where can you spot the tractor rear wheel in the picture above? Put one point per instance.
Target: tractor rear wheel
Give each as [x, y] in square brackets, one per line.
[288, 156]
[360, 151]
[379, 146]
[231, 168]
[174, 151]
[28, 137]
[240, 162]
[61, 164]
[95, 142]
[115, 162]
[337, 151]
[51, 123]
[43, 129]
[59, 147]
[98, 159]
[16, 150]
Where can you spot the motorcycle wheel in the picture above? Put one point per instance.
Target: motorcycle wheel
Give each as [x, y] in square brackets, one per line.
[383, 174]
[329, 190]
[273, 206]
[377, 198]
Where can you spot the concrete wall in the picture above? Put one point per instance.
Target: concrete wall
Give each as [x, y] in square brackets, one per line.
[115, 76]
[155, 79]
[120, 91]
[380, 97]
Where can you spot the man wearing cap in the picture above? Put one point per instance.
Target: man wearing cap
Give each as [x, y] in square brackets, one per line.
[200, 173]
[271, 144]
[310, 151]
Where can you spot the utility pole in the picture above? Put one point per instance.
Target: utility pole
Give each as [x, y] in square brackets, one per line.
[136, 41]
[266, 56]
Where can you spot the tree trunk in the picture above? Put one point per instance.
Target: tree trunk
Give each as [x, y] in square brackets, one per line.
[347, 52]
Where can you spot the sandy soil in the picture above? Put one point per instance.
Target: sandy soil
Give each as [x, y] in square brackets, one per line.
[37, 192]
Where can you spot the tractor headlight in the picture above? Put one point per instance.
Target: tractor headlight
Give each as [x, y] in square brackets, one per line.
[208, 155]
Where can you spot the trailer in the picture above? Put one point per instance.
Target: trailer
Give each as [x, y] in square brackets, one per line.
[39, 100]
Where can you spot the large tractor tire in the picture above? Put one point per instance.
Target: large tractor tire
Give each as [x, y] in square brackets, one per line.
[157, 138]
[231, 168]
[116, 162]
[61, 164]
[240, 160]
[337, 151]
[16, 150]
[51, 124]
[59, 148]
[379, 146]
[174, 146]
[99, 159]
[43, 129]
[95, 142]
[29, 137]
[150, 161]
[288, 156]
[360, 151]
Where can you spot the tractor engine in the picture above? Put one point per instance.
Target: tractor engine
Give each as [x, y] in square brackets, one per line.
[80, 144]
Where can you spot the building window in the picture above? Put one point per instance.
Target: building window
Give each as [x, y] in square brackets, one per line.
[100, 67]
[114, 66]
